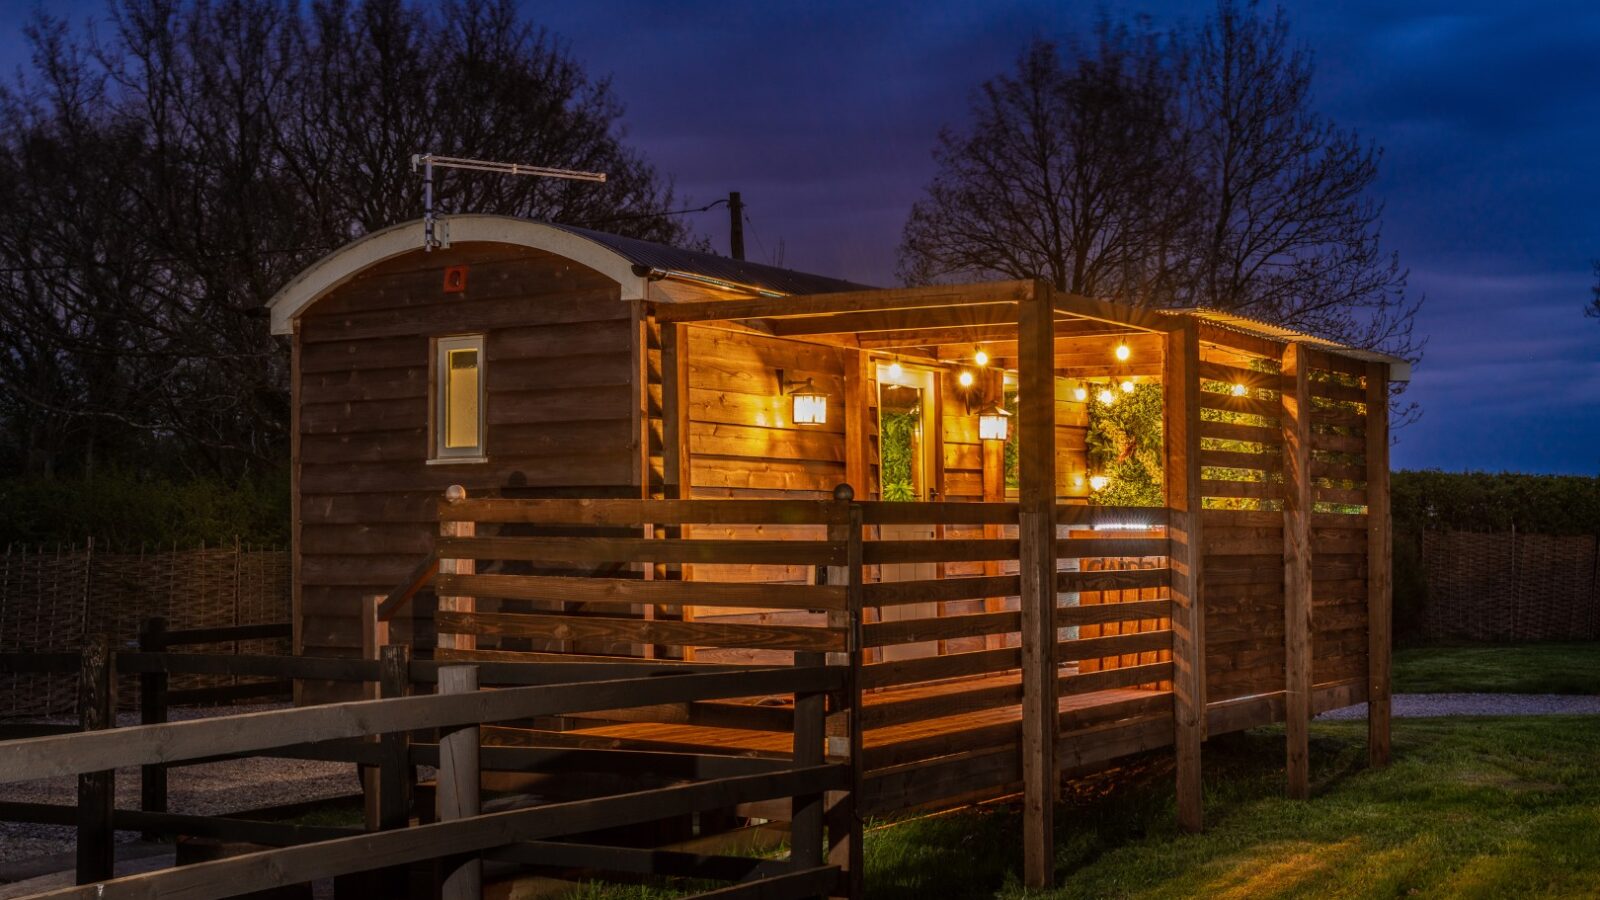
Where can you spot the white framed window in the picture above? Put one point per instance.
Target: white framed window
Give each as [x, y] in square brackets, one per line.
[458, 399]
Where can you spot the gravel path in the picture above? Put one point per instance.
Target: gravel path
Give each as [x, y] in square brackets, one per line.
[1413, 706]
[209, 789]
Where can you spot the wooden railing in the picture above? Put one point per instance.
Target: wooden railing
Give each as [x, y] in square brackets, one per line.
[458, 831]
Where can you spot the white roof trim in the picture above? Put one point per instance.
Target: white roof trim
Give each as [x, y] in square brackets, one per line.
[355, 257]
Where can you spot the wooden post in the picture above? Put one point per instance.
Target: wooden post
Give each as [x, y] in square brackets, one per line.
[153, 711]
[458, 782]
[1380, 563]
[845, 738]
[857, 422]
[374, 637]
[450, 641]
[1297, 566]
[395, 780]
[994, 491]
[1181, 376]
[97, 709]
[676, 471]
[805, 821]
[1037, 533]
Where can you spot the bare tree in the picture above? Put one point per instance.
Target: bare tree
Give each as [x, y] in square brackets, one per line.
[1052, 178]
[173, 171]
[1188, 170]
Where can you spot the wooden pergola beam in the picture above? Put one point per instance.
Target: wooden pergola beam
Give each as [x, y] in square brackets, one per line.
[1138, 317]
[1380, 560]
[932, 296]
[893, 320]
[1037, 563]
[1181, 373]
[1297, 566]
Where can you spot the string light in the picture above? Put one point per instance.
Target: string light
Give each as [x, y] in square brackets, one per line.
[1123, 353]
[1099, 482]
[1127, 387]
[1077, 481]
[1238, 389]
[895, 369]
[1107, 397]
[1080, 393]
[980, 358]
[964, 379]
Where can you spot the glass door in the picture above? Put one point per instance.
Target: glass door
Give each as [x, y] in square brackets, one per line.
[906, 444]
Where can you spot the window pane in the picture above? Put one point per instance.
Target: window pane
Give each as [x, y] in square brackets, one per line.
[461, 400]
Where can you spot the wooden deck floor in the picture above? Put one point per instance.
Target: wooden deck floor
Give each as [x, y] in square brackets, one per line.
[992, 721]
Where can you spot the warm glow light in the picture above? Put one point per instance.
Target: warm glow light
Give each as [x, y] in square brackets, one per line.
[1123, 352]
[981, 358]
[810, 408]
[1099, 482]
[993, 423]
[964, 379]
[1238, 390]
[895, 371]
[1080, 393]
[1107, 397]
[1127, 387]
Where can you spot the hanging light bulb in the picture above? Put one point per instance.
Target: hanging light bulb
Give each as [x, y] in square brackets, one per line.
[964, 379]
[1077, 481]
[1123, 353]
[1237, 389]
[1127, 387]
[980, 358]
[1098, 482]
[1080, 393]
[1105, 396]
[895, 369]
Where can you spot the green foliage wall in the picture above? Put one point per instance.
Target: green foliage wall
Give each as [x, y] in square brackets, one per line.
[1124, 444]
[897, 440]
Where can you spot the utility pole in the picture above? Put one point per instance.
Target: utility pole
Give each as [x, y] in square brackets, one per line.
[735, 225]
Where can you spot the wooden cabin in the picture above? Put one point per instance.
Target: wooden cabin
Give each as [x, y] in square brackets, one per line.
[1006, 545]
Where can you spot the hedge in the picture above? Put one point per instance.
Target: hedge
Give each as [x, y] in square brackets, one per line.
[125, 511]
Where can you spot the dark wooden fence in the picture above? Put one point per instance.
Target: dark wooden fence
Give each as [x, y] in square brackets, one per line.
[430, 713]
[56, 598]
[1510, 586]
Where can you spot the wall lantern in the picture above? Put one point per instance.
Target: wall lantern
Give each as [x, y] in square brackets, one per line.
[994, 423]
[808, 405]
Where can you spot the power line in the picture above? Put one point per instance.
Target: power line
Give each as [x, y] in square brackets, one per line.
[659, 215]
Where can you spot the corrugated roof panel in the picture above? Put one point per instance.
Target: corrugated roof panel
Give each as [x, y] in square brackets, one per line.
[1399, 369]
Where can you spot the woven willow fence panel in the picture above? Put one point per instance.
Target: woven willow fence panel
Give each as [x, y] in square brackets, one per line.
[51, 598]
[1508, 586]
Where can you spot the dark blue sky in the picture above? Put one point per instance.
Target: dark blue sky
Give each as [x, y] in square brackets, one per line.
[823, 115]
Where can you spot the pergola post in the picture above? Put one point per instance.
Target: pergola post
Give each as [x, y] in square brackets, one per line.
[1297, 567]
[1380, 560]
[1181, 382]
[1037, 560]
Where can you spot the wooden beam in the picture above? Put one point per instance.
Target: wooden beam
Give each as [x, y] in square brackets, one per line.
[1037, 564]
[1380, 562]
[937, 337]
[846, 302]
[1296, 424]
[1139, 317]
[1181, 376]
[894, 320]
[675, 456]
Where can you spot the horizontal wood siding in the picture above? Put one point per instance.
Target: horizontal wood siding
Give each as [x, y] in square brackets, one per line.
[559, 392]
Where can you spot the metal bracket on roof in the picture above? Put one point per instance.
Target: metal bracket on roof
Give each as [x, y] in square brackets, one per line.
[428, 160]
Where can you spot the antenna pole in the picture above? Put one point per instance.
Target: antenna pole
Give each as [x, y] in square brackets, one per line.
[429, 160]
[735, 225]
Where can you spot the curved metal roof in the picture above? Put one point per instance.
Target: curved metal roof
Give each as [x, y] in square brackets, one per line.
[665, 258]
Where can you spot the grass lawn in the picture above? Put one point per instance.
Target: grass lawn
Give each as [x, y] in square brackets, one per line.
[1552, 668]
[1470, 808]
